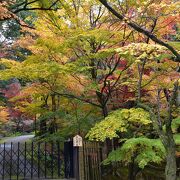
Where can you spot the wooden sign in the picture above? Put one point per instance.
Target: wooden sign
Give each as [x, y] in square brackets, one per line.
[77, 141]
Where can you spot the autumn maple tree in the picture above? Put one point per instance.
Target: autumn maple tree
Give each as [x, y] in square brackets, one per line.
[156, 92]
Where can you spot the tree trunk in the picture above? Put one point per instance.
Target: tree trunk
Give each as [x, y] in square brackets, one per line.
[131, 172]
[171, 167]
[105, 111]
[52, 127]
[139, 84]
[35, 125]
[43, 127]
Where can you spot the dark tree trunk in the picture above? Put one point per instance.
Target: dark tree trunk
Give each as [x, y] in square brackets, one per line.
[171, 166]
[105, 111]
[131, 172]
[35, 125]
[43, 127]
[52, 127]
[102, 101]
[43, 124]
[169, 143]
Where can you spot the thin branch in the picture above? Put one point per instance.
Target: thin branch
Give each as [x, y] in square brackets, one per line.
[153, 27]
[78, 98]
[109, 74]
[23, 24]
[25, 8]
[158, 108]
[112, 87]
[139, 84]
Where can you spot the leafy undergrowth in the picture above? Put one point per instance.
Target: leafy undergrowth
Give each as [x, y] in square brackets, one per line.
[144, 150]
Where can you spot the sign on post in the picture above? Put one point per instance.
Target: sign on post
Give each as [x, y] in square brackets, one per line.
[77, 141]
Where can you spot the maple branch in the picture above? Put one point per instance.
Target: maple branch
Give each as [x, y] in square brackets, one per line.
[99, 15]
[78, 98]
[23, 24]
[70, 95]
[153, 27]
[26, 3]
[158, 109]
[17, 8]
[109, 74]
[117, 80]
[139, 84]
[141, 30]
[35, 8]
[77, 79]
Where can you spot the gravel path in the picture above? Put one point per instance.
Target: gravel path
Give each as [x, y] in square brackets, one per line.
[18, 138]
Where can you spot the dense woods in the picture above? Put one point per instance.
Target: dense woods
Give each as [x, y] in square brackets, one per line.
[107, 70]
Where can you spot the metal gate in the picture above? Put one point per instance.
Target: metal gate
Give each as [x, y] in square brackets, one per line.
[36, 160]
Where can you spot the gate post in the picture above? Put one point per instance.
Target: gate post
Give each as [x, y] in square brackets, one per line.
[78, 158]
[68, 159]
[76, 162]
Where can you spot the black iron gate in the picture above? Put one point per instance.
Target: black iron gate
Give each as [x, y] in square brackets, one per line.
[54, 160]
[36, 160]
